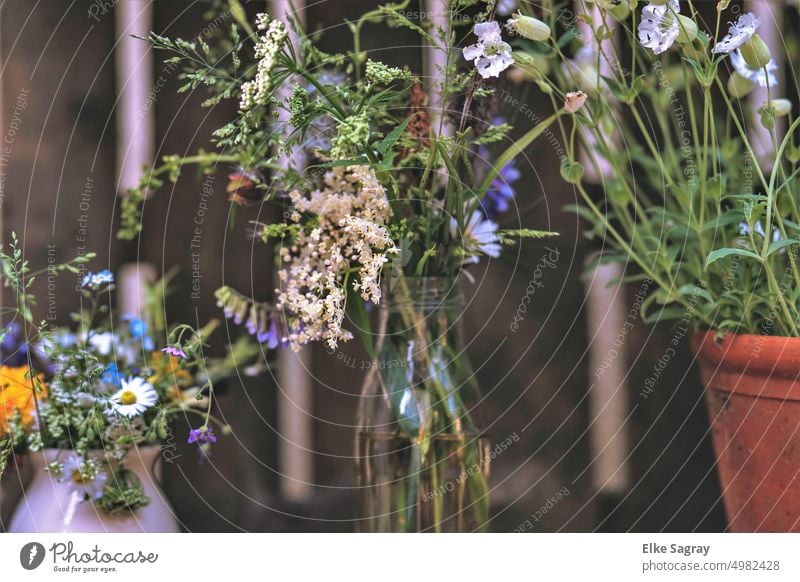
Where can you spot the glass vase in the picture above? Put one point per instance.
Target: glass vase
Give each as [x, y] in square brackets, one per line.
[422, 460]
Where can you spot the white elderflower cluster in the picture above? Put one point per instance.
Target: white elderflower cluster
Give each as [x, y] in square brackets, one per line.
[269, 45]
[348, 246]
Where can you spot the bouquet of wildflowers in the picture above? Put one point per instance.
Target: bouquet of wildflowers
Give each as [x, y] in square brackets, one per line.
[691, 199]
[98, 391]
[387, 183]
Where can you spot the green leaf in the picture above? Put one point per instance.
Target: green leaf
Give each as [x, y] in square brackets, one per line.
[514, 150]
[781, 244]
[694, 290]
[386, 144]
[358, 315]
[715, 187]
[718, 254]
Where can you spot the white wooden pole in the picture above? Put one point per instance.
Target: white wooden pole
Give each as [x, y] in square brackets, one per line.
[435, 63]
[135, 121]
[770, 13]
[608, 437]
[295, 402]
[132, 280]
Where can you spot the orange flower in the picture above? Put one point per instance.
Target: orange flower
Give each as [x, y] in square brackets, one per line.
[16, 393]
[167, 369]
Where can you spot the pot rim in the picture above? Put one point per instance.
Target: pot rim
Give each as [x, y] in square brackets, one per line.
[756, 365]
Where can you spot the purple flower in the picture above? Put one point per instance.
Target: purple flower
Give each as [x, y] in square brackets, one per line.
[202, 435]
[176, 352]
[501, 192]
[13, 349]
[270, 337]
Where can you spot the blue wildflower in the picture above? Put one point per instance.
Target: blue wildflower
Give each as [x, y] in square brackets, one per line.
[112, 375]
[139, 331]
[97, 280]
[138, 328]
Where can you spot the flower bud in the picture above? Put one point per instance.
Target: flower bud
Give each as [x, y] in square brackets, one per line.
[780, 107]
[687, 28]
[574, 101]
[738, 86]
[530, 67]
[756, 52]
[619, 9]
[529, 27]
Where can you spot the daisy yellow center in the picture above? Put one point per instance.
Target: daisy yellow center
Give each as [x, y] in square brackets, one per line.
[78, 478]
[127, 398]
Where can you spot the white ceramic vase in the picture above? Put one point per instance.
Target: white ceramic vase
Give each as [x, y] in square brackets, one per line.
[50, 506]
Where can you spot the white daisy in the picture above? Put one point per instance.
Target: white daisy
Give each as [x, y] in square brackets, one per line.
[84, 476]
[758, 76]
[491, 54]
[739, 33]
[659, 28]
[134, 397]
[479, 237]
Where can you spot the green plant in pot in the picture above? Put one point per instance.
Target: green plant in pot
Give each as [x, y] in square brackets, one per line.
[395, 200]
[689, 206]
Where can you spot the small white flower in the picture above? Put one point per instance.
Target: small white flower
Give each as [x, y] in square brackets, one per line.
[492, 55]
[133, 398]
[758, 76]
[103, 343]
[739, 33]
[269, 46]
[758, 228]
[84, 476]
[659, 28]
[479, 237]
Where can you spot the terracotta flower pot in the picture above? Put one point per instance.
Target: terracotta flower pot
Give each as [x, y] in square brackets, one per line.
[753, 396]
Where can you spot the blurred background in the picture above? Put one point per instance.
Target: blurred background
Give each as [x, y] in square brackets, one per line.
[643, 463]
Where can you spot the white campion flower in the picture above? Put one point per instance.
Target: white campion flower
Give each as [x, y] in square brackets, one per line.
[133, 398]
[492, 55]
[659, 28]
[479, 237]
[760, 77]
[739, 33]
